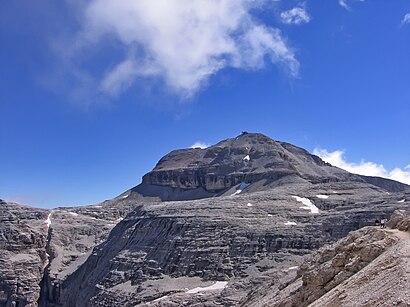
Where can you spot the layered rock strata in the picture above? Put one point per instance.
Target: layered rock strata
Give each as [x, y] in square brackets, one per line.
[23, 257]
[244, 212]
[367, 268]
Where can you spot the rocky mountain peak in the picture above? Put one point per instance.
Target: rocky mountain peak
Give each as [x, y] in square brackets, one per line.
[248, 153]
[248, 158]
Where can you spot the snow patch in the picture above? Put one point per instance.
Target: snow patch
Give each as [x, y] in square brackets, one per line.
[293, 268]
[236, 192]
[290, 223]
[308, 205]
[269, 214]
[241, 187]
[249, 204]
[247, 158]
[48, 220]
[401, 201]
[73, 213]
[160, 298]
[125, 196]
[321, 196]
[219, 285]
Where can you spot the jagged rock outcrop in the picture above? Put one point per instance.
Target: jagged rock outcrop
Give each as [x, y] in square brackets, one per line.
[400, 220]
[73, 233]
[39, 247]
[23, 239]
[367, 268]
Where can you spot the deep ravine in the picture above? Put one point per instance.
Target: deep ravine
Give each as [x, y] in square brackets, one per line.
[44, 283]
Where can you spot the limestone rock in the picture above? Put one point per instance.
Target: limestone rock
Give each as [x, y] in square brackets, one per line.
[245, 211]
[23, 239]
[367, 268]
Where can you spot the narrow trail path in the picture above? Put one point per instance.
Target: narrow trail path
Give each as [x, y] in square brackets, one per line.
[383, 282]
[402, 235]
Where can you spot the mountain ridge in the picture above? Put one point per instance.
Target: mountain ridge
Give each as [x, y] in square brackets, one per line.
[250, 158]
[270, 206]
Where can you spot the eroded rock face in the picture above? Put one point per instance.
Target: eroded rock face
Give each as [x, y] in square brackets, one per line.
[366, 268]
[400, 220]
[235, 238]
[73, 233]
[334, 264]
[40, 248]
[23, 238]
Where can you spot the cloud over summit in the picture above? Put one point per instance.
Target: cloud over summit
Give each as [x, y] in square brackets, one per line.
[366, 168]
[181, 42]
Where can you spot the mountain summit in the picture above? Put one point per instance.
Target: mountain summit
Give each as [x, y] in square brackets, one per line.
[252, 161]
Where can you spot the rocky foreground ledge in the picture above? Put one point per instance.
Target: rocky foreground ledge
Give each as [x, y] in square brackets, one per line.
[370, 267]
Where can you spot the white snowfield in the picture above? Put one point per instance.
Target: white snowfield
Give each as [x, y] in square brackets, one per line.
[125, 196]
[293, 268]
[236, 192]
[219, 285]
[48, 220]
[241, 187]
[321, 196]
[288, 223]
[249, 204]
[401, 201]
[308, 205]
[247, 158]
[73, 213]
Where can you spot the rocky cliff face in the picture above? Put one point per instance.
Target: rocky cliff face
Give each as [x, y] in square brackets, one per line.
[238, 239]
[40, 248]
[23, 257]
[275, 204]
[367, 268]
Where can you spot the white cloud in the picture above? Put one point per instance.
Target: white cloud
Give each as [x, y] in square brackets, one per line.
[406, 19]
[337, 158]
[296, 16]
[345, 4]
[200, 144]
[182, 42]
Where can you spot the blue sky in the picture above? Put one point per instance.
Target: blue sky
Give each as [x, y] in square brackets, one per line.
[94, 93]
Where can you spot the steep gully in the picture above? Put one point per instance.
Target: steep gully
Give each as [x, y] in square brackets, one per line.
[42, 301]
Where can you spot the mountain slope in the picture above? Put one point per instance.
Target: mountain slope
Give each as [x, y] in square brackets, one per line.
[242, 211]
[370, 267]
